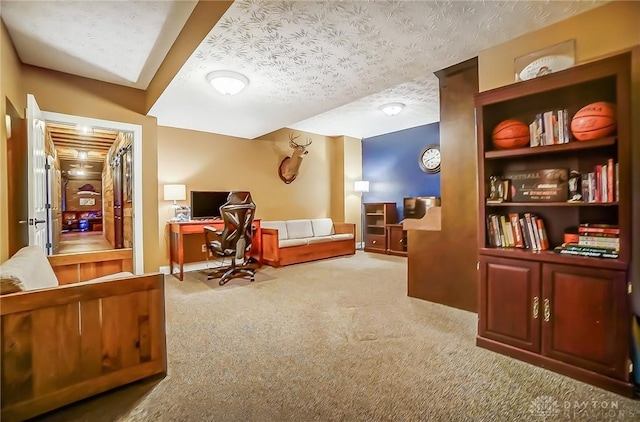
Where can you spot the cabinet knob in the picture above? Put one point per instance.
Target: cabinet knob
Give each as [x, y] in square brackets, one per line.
[536, 307]
[375, 241]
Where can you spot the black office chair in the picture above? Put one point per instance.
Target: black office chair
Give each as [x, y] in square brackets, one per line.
[234, 240]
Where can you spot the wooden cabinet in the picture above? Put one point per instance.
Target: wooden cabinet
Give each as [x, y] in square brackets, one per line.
[396, 240]
[376, 217]
[574, 315]
[570, 314]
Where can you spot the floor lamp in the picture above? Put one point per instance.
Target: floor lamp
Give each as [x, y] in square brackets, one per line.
[361, 186]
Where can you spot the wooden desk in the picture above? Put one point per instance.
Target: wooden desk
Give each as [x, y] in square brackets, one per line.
[178, 230]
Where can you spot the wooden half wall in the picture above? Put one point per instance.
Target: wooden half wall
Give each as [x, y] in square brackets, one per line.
[442, 265]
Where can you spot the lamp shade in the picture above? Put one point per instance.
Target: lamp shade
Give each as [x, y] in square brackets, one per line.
[361, 186]
[175, 192]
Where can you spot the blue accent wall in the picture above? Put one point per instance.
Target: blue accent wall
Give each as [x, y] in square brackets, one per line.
[390, 164]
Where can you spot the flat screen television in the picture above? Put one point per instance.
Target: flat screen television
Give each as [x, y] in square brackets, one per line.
[206, 204]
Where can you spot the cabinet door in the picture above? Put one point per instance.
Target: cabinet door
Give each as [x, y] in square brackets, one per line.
[396, 241]
[585, 318]
[509, 310]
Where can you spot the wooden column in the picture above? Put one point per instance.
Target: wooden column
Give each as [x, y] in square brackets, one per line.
[442, 265]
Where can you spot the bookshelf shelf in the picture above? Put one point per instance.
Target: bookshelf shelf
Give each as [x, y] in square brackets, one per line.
[551, 149]
[553, 204]
[550, 256]
[533, 304]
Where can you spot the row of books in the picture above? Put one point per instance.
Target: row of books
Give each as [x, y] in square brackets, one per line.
[516, 230]
[601, 185]
[599, 235]
[587, 251]
[550, 128]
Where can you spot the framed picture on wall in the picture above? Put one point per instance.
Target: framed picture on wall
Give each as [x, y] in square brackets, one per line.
[127, 175]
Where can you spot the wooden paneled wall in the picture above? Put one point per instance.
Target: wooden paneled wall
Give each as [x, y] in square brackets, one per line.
[73, 198]
[442, 264]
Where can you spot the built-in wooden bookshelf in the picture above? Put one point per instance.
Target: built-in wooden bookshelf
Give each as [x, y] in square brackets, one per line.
[570, 314]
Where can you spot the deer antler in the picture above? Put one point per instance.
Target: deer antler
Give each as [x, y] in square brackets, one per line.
[292, 140]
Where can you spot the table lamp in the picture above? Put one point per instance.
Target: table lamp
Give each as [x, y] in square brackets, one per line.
[175, 193]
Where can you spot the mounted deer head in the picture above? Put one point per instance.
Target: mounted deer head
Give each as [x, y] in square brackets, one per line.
[289, 167]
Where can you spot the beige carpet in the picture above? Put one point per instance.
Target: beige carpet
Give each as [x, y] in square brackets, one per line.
[336, 340]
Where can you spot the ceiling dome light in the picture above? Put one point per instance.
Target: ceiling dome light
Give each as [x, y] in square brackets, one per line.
[227, 82]
[84, 130]
[392, 109]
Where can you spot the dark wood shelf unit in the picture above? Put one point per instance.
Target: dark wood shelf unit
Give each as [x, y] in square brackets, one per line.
[570, 314]
[377, 215]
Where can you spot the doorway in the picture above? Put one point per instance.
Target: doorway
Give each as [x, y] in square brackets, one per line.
[112, 148]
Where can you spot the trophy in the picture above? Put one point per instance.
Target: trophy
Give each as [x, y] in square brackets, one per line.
[575, 186]
[496, 189]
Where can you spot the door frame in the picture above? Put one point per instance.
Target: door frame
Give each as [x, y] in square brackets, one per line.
[138, 256]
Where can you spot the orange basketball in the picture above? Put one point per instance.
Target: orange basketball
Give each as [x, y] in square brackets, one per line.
[593, 121]
[511, 133]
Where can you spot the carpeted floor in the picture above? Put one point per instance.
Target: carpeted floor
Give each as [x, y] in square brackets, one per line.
[336, 340]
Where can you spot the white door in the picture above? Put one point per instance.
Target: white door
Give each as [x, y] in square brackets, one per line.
[37, 164]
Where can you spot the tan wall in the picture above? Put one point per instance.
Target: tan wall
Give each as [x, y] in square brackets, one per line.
[598, 32]
[67, 94]
[11, 89]
[205, 161]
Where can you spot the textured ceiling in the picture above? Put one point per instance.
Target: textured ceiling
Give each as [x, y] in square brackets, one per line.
[122, 42]
[323, 67]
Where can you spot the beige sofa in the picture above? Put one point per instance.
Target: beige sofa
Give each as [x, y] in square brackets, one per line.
[293, 241]
[67, 336]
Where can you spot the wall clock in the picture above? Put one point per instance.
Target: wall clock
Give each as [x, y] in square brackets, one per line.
[429, 159]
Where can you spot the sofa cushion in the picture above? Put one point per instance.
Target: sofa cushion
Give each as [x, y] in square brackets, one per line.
[299, 229]
[28, 269]
[322, 226]
[342, 236]
[279, 225]
[320, 239]
[287, 243]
